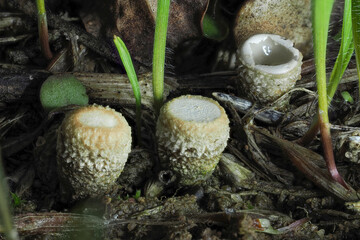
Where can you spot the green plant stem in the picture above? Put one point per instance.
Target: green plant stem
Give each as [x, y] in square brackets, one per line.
[129, 68]
[162, 17]
[43, 30]
[321, 10]
[6, 224]
[342, 61]
[355, 15]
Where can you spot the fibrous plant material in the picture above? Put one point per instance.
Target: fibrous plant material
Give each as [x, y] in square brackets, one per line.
[92, 148]
[269, 66]
[310, 164]
[192, 132]
[288, 18]
[233, 170]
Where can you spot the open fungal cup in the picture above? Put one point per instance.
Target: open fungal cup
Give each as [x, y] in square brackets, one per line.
[92, 148]
[192, 133]
[269, 66]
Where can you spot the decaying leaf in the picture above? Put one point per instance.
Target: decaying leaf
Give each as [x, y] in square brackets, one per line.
[134, 22]
[310, 164]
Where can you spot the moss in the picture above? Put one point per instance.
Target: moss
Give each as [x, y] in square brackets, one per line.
[62, 90]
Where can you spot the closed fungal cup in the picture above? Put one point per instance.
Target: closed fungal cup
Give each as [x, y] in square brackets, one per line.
[192, 132]
[92, 148]
[269, 66]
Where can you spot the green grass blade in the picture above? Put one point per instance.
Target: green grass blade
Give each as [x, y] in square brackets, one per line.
[321, 11]
[162, 17]
[355, 13]
[6, 224]
[345, 52]
[40, 7]
[213, 24]
[214, 29]
[129, 68]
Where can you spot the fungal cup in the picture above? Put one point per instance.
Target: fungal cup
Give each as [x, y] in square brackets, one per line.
[92, 148]
[192, 132]
[269, 66]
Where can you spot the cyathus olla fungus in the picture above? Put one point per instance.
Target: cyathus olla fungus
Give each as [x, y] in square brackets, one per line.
[92, 148]
[269, 66]
[192, 133]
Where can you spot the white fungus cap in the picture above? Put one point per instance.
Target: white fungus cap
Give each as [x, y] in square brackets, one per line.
[92, 148]
[192, 133]
[269, 66]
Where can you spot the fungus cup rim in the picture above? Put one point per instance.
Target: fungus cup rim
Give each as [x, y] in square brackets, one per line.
[246, 54]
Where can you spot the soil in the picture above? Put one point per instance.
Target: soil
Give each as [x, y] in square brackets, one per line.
[266, 186]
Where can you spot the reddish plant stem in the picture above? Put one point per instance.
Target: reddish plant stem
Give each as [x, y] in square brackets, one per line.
[44, 37]
[311, 133]
[328, 152]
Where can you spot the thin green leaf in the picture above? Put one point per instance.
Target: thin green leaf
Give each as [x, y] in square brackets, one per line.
[6, 222]
[321, 10]
[213, 24]
[40, 7]
[344, 56]
[137, 194]
[130, 71]
[345, 52]
[355, 13]
[214, 29]
[347, 97]
[161, 24]
[16, 199]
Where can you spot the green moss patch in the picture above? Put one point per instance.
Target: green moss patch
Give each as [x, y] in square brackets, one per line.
[62, 90]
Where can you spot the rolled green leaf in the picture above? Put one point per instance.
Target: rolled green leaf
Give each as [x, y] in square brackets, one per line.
[355, 15]
[130, 71]
[345, 52]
